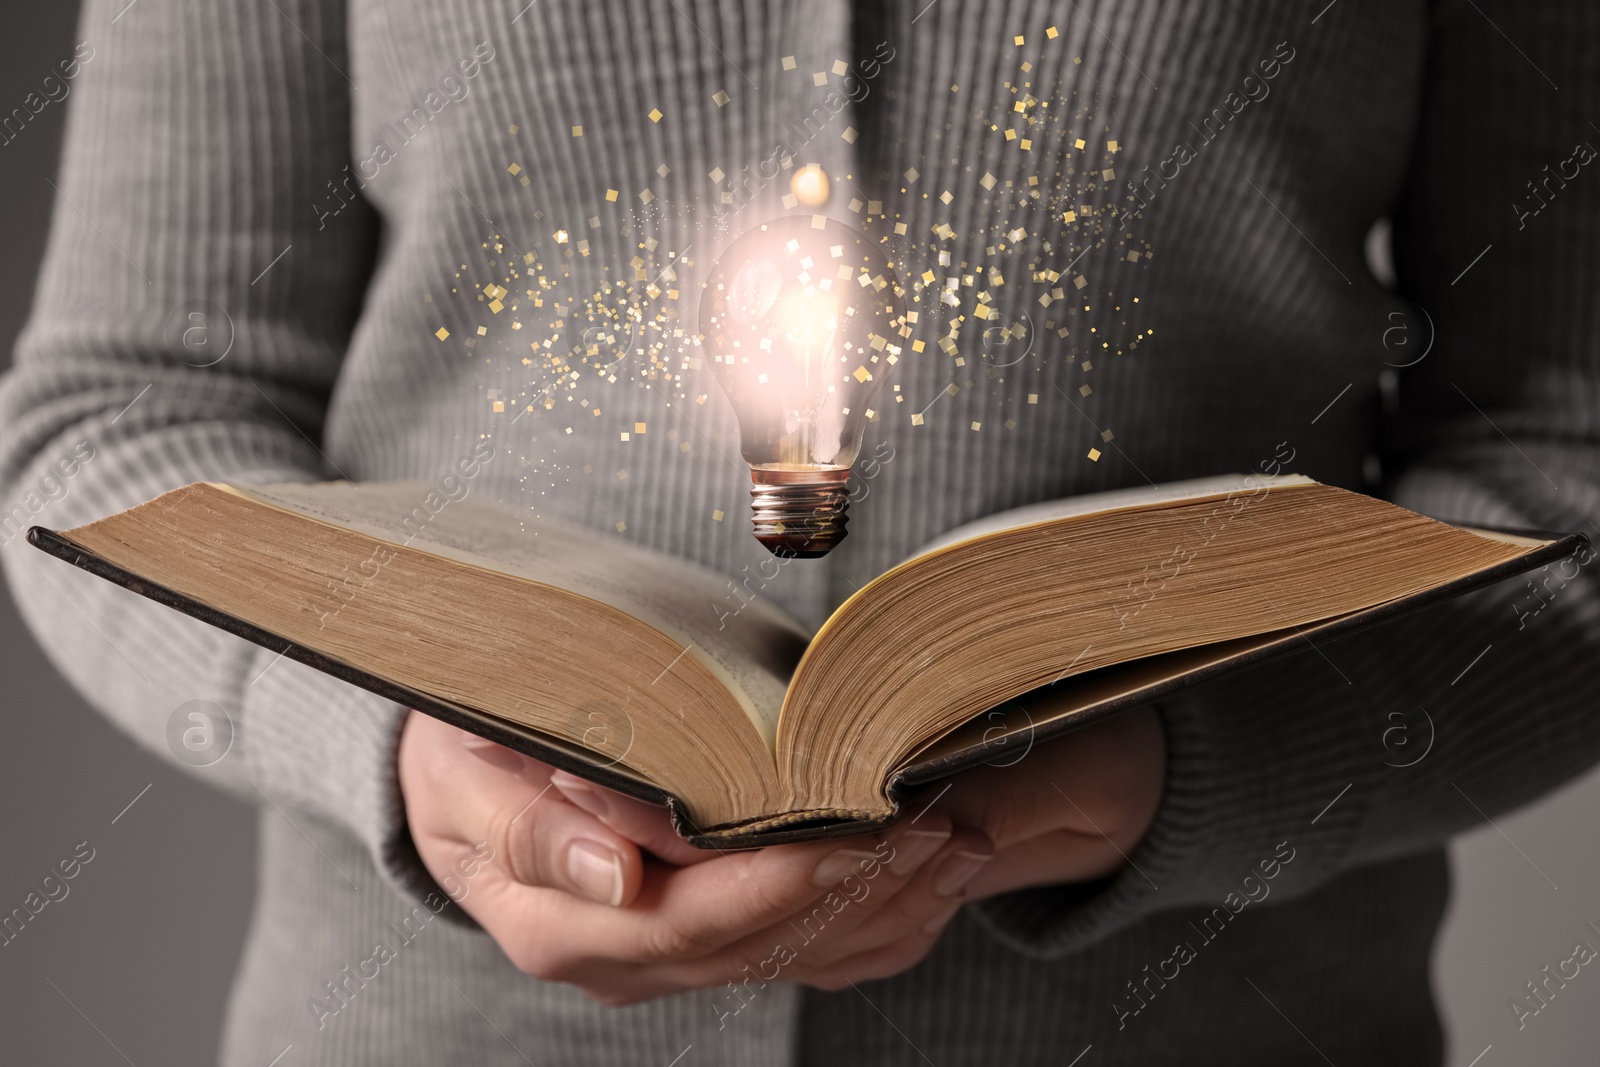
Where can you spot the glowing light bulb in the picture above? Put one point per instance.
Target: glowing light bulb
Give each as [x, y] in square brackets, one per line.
[803, 321]
[810, 186]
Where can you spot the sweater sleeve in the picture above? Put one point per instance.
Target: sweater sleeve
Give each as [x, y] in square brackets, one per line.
[1389, 741]
[189, 323]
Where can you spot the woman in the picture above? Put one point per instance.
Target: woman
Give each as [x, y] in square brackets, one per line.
[1240, 875]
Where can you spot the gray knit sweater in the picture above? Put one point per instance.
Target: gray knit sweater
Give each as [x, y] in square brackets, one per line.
[340, 180]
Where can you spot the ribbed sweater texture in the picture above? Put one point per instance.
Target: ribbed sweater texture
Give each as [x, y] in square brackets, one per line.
[333, 184]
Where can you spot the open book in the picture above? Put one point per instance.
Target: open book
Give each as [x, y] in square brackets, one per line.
[645, 673]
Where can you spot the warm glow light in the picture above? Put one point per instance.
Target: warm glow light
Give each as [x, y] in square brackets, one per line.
[802, 320]
[810, 186]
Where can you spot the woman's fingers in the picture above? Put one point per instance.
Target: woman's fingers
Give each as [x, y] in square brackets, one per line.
[644, 824]
[886, 895]
[461, 790]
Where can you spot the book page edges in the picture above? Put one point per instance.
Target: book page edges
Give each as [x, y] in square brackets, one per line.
[766, 727]
[1048, 513]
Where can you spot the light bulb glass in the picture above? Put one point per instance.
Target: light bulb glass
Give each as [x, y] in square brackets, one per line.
[803, 321]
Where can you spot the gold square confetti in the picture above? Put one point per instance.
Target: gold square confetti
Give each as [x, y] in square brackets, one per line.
[945, 197]
[611, 195]
[988, 180]
[496, 307]
[1018, 106]
[819, 78]
[1027, 145]
[900, 229]
[840, 67]
[646, 196]
[716, 516]
[1080, 281]
[1080, 143]
[577, 131]
[638, 427]
[912, 175]
[919, 346]
[916, 420]
[1105, 435]
[849, 135]
[622, 527]
[721, 99]
[1133, 256]
[1094, 455]
[1069, 216]
[1084, 390]
[977, 425]
[1108, 174]
[1011, 135]
[512, 129]
[483, 331]
[441, 333]
[663, 170]
[717, 174]
[1052, 33]
[524, 180]
[514, 170]
[1019, 40]
[1033, 398]
[655, 114]
[861, 374]
[1111, 146]
[788, 64]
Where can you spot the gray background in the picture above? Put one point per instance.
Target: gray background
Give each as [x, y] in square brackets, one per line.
[134, 965]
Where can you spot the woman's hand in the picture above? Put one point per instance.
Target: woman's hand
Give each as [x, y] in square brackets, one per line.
[1069, 811]
[593, 888]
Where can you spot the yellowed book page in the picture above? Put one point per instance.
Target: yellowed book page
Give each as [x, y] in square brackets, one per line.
[1138, 497]
[754, 655]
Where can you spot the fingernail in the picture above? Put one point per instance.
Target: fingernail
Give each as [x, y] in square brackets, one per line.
[836, 865]
[956, 871]
[494, 755]
[596, 870]
[915, 847]
[582, 794]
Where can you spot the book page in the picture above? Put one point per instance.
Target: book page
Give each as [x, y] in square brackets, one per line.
[754, 655]
[1137, 497]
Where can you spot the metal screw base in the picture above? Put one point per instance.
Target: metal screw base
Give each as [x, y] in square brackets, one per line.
[799, 513]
